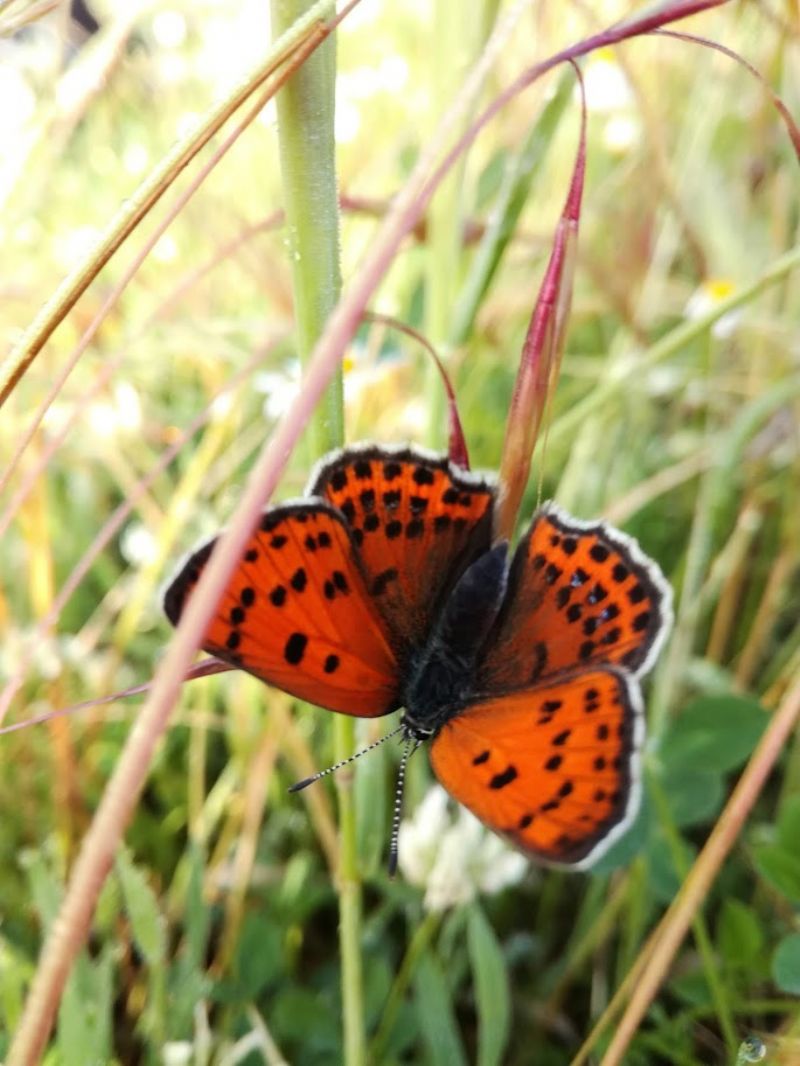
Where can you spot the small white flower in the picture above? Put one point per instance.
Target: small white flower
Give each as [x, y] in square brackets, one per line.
[138, 545]
[121, 413]
[41, 650]
[178, 1053]
[454, 858]
[280, 388]
[706, 298]
[136, 159]
[606, 85]
[621, 133]
[165, 249]
[169, 29]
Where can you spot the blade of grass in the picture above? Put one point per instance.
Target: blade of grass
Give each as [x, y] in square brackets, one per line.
[457, 47]
[541, 352]
[679, 337]
[516, 188]
[308, 166]
[714, 981]
[674, 926]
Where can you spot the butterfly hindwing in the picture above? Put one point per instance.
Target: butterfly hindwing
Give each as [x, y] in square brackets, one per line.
[417, 521]
[298, 615]
[579, 595]
[553, 768]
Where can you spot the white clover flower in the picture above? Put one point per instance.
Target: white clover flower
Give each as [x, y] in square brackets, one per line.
[454, 858]
[706, 298]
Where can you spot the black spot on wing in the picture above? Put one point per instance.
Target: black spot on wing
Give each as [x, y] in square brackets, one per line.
[504, 778]
[295, 648]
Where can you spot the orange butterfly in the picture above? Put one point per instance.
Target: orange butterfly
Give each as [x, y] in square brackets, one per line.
[382, 590]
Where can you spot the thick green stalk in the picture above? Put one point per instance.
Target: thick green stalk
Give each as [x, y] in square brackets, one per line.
[308, 166]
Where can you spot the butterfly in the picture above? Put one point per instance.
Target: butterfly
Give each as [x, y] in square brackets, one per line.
[382, 589]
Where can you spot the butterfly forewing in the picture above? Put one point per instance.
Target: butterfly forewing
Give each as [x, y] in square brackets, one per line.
[417, 521]
[579, 596]
[554, 768]
[298, 615]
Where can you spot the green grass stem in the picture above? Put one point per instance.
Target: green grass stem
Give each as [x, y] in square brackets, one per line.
[306, 107]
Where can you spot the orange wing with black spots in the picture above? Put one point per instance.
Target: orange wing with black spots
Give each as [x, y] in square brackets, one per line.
[579, 596]
[297, 613]
[417, 521]
[553, 768]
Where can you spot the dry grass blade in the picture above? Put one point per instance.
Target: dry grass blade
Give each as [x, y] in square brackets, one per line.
[676, 922]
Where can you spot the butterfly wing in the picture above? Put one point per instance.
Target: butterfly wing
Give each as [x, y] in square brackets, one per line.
[418, 522]
[554, 768]
[298, 615]
[579, 595]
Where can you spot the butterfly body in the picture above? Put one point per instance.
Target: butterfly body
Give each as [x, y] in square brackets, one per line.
[382, 589]
[442, 680]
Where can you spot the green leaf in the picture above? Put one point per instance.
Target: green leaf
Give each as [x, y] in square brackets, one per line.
[197, 919]
[490, 180]
[521, 172]
[307, 1018]
[714, 733]
[665, 873]
[694, 796]
[786, 964]
[781, 868]
[492, 993]
[692, 988]
[141, 905]
[739, 934]
[46, 890]
[436, 1016]
[259, 955]
[85, 1012]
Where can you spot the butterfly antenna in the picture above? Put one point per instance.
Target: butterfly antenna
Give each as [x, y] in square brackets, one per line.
[398, 804]
[337, 766]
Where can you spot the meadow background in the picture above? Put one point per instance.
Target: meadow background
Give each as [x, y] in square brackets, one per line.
[676, 416]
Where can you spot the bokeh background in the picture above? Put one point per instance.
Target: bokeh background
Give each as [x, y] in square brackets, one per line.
[216, 937]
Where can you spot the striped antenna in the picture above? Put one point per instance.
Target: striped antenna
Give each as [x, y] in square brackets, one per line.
[398, 802]
[337, 766]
